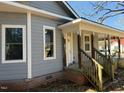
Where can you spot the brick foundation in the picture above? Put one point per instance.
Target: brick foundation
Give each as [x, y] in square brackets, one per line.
[26, 84]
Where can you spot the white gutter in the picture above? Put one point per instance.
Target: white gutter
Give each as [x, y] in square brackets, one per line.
[35, 10]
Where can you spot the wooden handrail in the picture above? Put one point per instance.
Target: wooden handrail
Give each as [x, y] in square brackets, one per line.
[99, 52]
[97, 63]
[105, 62]
[92, 70]
[93, 60]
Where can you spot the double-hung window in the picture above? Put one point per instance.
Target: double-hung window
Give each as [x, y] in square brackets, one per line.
[13, 43]
[87, 43]
[49, 43]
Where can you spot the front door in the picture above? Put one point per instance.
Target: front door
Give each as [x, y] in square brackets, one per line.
[69, 48]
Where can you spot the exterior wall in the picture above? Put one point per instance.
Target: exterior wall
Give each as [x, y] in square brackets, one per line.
[95, 40]
[39, 65]
[12, 70]
[82, 40]
[54, 7]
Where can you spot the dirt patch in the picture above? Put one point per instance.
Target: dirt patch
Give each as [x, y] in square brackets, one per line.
[63, 86]
[118, 83]
[68, 86]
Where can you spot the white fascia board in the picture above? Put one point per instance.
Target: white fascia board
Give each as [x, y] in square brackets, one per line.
[100, 25]
[89, 22]
[65, 3]
[69, 23]
[29, 8]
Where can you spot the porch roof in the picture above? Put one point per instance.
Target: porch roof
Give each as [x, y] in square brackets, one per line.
[86, 25]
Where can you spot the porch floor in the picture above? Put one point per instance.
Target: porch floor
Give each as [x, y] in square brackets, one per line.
[74, 66]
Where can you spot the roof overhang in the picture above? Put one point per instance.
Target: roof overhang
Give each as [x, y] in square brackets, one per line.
[70, 8]
[7, 6]
[85, 25]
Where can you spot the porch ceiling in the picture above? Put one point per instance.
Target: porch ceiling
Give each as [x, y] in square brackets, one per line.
[81, 24]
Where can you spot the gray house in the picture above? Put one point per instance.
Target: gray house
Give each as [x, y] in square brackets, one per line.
[31, 44]
[39, 39]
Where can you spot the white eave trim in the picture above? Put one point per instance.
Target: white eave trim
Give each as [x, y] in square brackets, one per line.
[86, 21]
[65, 3]
[100, 25]
[77, 21]
[36, 10]
[69, 23]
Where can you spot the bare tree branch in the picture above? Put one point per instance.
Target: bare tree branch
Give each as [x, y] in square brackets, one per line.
[103, 8]
[101, 19]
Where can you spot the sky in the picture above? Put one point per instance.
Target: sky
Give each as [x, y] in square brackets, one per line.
[82, 7]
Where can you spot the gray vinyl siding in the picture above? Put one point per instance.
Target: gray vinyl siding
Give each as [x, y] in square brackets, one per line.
[10, 71]
[39, 65]
[51, 6]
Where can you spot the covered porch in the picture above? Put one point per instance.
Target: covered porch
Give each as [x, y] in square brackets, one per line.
[88, 48]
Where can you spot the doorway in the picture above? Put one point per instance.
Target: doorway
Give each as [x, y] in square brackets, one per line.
[69, 48]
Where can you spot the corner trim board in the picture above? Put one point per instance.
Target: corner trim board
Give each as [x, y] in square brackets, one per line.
[29, 62]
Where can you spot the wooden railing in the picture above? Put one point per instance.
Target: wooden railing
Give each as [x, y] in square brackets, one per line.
[92, 70]
[105, 62]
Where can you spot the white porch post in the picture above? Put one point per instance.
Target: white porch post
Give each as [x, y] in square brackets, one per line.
[29, 58]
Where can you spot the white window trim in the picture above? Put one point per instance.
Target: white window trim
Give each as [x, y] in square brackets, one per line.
[3, 43]
[89, 42]
[54, 42]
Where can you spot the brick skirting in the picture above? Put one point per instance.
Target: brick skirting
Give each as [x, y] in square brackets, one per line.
[26, 84]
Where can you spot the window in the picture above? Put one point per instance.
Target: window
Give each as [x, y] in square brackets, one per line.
[49, 43]
[13, 43]
[87, 43]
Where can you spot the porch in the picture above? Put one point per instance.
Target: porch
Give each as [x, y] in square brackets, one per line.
[88, 50]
